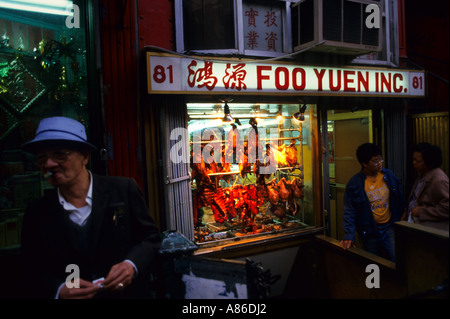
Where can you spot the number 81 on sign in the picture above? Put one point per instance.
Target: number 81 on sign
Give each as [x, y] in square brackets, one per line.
[417, 83]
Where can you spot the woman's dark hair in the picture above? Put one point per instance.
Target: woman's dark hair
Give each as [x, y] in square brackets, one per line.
[431, 154]
[366, 151]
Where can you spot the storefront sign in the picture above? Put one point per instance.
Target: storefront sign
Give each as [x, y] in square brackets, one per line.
[170, 74]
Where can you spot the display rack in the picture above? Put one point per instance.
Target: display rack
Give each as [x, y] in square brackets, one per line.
[266, 220]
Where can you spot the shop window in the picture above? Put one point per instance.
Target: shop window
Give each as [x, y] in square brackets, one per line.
[254, 176]
[208, 24]
[42, 73]
[245, 27]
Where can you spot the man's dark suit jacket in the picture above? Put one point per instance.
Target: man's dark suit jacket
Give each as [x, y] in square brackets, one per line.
[120, 228]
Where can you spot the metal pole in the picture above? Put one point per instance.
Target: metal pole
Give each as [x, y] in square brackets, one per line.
[325, 169]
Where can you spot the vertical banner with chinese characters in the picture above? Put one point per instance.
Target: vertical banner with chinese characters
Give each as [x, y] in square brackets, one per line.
[262, 27]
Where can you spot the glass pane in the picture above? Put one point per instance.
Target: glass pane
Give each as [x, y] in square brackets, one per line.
[42, 73]
[352, 22]
[257, 179]
[208, 24]
[332, 20]
[263, 26]
[307, 21]
[346, 131]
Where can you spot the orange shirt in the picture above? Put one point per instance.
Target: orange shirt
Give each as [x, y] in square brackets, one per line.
[378, 194]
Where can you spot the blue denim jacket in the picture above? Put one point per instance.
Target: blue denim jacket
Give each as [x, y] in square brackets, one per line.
[357, 211]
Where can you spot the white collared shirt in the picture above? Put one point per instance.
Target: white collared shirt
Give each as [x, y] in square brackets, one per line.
[78, 215]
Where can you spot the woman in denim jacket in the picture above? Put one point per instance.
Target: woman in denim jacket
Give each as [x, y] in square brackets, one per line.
[373, 201]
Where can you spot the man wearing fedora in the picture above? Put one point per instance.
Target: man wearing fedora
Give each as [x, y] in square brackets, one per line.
[90, 236]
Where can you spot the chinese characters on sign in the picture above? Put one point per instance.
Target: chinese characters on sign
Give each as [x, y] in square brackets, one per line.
[202, 77]
[188, 75]
[262, 28]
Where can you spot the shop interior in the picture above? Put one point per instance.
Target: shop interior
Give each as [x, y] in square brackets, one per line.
[251, 169]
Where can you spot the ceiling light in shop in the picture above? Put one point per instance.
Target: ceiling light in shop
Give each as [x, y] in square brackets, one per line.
[300, 115]
[204, 124]
[240, 111]
[227, 119]
[58, 7]
[280, 117]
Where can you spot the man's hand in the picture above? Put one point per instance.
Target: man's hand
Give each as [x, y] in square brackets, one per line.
[347, 244]
[87, 290]
[119, 277]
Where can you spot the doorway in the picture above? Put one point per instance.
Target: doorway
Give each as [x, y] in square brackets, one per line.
[346, 131]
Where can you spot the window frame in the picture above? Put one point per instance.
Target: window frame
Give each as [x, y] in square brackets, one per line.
[238, 32]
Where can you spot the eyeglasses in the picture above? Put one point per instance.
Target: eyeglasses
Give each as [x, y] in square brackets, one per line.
[378, 160]
[56, 156]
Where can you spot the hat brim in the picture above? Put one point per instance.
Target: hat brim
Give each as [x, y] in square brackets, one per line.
[36, 146]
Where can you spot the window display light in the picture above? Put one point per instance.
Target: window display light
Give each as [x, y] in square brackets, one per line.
[300, 115]
[227, 119]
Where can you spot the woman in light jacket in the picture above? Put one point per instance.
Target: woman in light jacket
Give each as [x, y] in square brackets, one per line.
[428, 201]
